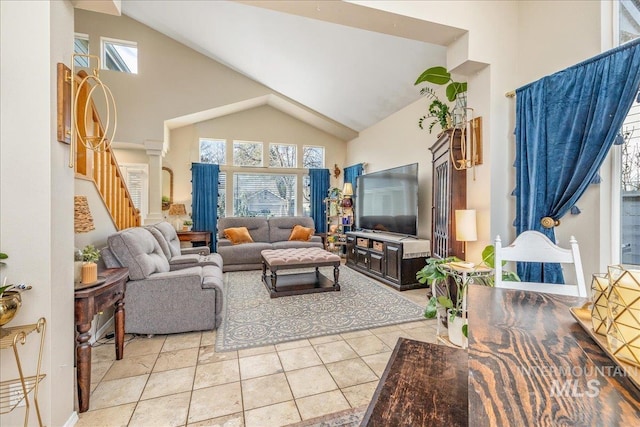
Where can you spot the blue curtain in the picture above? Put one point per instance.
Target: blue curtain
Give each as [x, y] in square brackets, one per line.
[351, 173]
[565, 126]
[319, 182]
[204, 192]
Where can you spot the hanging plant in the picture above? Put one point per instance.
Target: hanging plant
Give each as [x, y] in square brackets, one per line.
[439, 111]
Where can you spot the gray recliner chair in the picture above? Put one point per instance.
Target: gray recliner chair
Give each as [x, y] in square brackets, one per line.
[160, 301]
[178, 257]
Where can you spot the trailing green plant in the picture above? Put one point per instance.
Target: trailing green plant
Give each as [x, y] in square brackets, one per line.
[433, 273]
[90, 254]
[439, 111]
[489, 260]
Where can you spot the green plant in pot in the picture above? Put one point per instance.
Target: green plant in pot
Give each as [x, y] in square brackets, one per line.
[452, 299]
[10, 299]
[187, 224]
[439, 111]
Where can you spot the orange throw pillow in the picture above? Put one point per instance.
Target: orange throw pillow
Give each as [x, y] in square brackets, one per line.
[301, 233]
[238, 235]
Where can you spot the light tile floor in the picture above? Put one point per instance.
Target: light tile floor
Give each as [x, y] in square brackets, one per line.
[180, 380]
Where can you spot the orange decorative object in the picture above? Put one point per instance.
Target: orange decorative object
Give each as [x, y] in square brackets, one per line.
[89, 272]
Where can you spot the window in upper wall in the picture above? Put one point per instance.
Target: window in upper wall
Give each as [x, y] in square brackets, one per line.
[312, 157]
[81, 45]
[247, 153]
[629, 152]
[264, 194]
[119, 55]
[282, 156]
[213, 151]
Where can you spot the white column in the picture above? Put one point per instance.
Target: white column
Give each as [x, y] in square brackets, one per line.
[155, 153]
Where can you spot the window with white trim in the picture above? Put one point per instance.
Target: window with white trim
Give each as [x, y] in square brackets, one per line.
[312, 157]
[264, 194]
[119, 55]
[629, 152]
[247, 153]
[213, 151]
[282, 156]
[81, 45]
[136, 176]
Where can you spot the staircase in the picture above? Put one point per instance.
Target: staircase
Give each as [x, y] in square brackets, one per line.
[102, 167]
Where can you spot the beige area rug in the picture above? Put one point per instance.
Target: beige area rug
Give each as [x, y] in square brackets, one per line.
[252, 319]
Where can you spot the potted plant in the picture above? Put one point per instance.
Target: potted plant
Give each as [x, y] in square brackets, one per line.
[187, 224]
[436, 276]
[10, 299]
[444, 297]
[438, 110]
[89, 267]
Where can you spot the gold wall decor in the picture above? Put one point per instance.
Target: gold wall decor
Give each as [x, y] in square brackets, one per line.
[64, 103]
[82, 112]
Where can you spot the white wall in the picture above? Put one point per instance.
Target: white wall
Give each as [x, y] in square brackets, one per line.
[522, 42]
[36, 196]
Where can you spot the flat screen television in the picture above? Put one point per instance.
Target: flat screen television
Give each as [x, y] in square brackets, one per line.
[387, 200]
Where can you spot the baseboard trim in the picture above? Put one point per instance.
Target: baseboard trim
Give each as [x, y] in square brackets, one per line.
[73, 419]
[102, 331]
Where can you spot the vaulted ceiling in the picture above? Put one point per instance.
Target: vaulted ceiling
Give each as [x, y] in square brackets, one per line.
[353, 75]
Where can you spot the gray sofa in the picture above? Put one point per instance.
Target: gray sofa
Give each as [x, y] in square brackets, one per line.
[160, 301]
[272, 233]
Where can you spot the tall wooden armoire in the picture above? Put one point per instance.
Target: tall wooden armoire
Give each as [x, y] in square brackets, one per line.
[449, 193]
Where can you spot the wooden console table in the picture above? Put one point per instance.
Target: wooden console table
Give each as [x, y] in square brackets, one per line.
[89, 302]
[195, 236]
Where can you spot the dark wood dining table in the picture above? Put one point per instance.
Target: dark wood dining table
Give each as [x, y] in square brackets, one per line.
[532, 364]
[529, 363]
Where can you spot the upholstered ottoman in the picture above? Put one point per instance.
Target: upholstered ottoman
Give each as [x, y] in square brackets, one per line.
[298, 283]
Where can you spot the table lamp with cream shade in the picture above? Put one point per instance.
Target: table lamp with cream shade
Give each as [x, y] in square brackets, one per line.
[347, 192]
[176, 210]
[466, 230]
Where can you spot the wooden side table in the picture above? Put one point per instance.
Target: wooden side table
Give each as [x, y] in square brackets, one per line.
[89, 302]
[195, 236]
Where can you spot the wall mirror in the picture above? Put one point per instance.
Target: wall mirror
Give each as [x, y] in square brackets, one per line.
[167, 187]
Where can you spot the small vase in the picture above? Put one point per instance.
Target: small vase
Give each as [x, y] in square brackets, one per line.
[459, 113]
[89, 272]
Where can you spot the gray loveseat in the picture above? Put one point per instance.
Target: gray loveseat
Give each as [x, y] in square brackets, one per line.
[272, 233]
[160, 301]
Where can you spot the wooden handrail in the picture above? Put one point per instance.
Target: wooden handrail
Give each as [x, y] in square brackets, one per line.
[102, 166]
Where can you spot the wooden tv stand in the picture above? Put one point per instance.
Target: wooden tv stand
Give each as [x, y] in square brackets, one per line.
[382, 256]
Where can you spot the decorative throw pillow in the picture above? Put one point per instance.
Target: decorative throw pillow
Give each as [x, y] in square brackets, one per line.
[301, 233]
[238, 235]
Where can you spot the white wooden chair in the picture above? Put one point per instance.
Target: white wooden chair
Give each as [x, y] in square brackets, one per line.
[533, 246]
